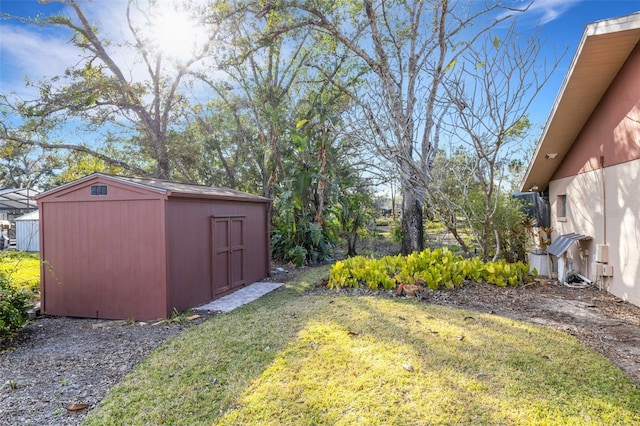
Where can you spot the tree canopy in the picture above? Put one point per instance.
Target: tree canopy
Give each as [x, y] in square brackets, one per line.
[308, 102]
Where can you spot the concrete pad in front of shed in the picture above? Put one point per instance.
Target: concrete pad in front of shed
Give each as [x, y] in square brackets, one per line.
[239, 297]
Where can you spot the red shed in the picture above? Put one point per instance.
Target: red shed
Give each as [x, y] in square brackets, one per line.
[117, 247]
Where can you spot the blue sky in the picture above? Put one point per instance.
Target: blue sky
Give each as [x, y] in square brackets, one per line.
[37, 53]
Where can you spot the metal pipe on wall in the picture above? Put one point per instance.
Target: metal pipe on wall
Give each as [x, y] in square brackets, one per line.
[604, 200]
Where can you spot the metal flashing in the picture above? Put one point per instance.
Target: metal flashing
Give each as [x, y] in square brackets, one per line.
[561, 244]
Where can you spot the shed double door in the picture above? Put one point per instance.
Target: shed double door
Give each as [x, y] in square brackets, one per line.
[228, 254]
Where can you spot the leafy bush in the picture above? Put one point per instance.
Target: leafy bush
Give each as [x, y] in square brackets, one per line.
[396, 232]
[302, 241]
[430, 268]
[14, 309]
[510, 222]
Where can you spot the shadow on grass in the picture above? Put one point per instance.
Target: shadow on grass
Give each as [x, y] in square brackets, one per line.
[197, 376]
[291, 358]
[375, 361]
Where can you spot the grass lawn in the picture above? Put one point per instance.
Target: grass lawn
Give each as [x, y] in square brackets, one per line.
[296, 359]
[22, 268]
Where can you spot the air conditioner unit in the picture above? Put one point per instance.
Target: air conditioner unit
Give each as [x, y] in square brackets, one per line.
[602, 253]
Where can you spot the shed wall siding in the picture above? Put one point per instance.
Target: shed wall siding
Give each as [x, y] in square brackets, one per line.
[104, 259]
[138, 249]
[591, 211]
[189, 246]
[28, 235]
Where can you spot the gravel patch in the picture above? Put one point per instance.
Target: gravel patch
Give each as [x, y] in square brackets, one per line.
[59, 368]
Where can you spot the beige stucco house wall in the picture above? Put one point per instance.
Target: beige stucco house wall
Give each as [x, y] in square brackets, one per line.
[587, 214]
[588, 158]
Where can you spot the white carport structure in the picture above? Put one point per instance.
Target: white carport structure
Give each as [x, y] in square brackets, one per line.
[14, 202]
[17, 199]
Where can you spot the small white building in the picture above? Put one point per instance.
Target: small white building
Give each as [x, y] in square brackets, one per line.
[28, 232]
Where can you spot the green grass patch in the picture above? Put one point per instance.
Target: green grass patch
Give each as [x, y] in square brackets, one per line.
[22, 269]
[383, 221]
[291, 358]
[433, 226]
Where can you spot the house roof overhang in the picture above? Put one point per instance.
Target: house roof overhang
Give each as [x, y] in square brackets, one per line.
[603, 49]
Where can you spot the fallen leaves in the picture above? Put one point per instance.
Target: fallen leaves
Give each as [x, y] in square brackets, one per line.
[74, 408]
[108, 324]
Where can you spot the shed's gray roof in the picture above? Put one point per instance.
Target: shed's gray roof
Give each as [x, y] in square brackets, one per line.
[175, 188]
[168, 188]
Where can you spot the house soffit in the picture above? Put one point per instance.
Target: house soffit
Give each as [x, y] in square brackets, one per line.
[603, 50]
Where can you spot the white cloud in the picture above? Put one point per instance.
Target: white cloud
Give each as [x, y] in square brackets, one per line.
[27, 50]
[550, 10]
[36, 54]
[542, 11]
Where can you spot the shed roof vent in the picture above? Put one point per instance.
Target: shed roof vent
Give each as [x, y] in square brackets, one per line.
[98, 189]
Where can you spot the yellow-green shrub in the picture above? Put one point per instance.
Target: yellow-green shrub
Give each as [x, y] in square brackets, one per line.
[431, 268]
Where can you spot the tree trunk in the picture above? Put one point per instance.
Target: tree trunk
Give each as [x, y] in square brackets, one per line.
[322, 182]
[412, 226]
[495, 256]
[351, 245]
[453, 229]
[164, 167]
